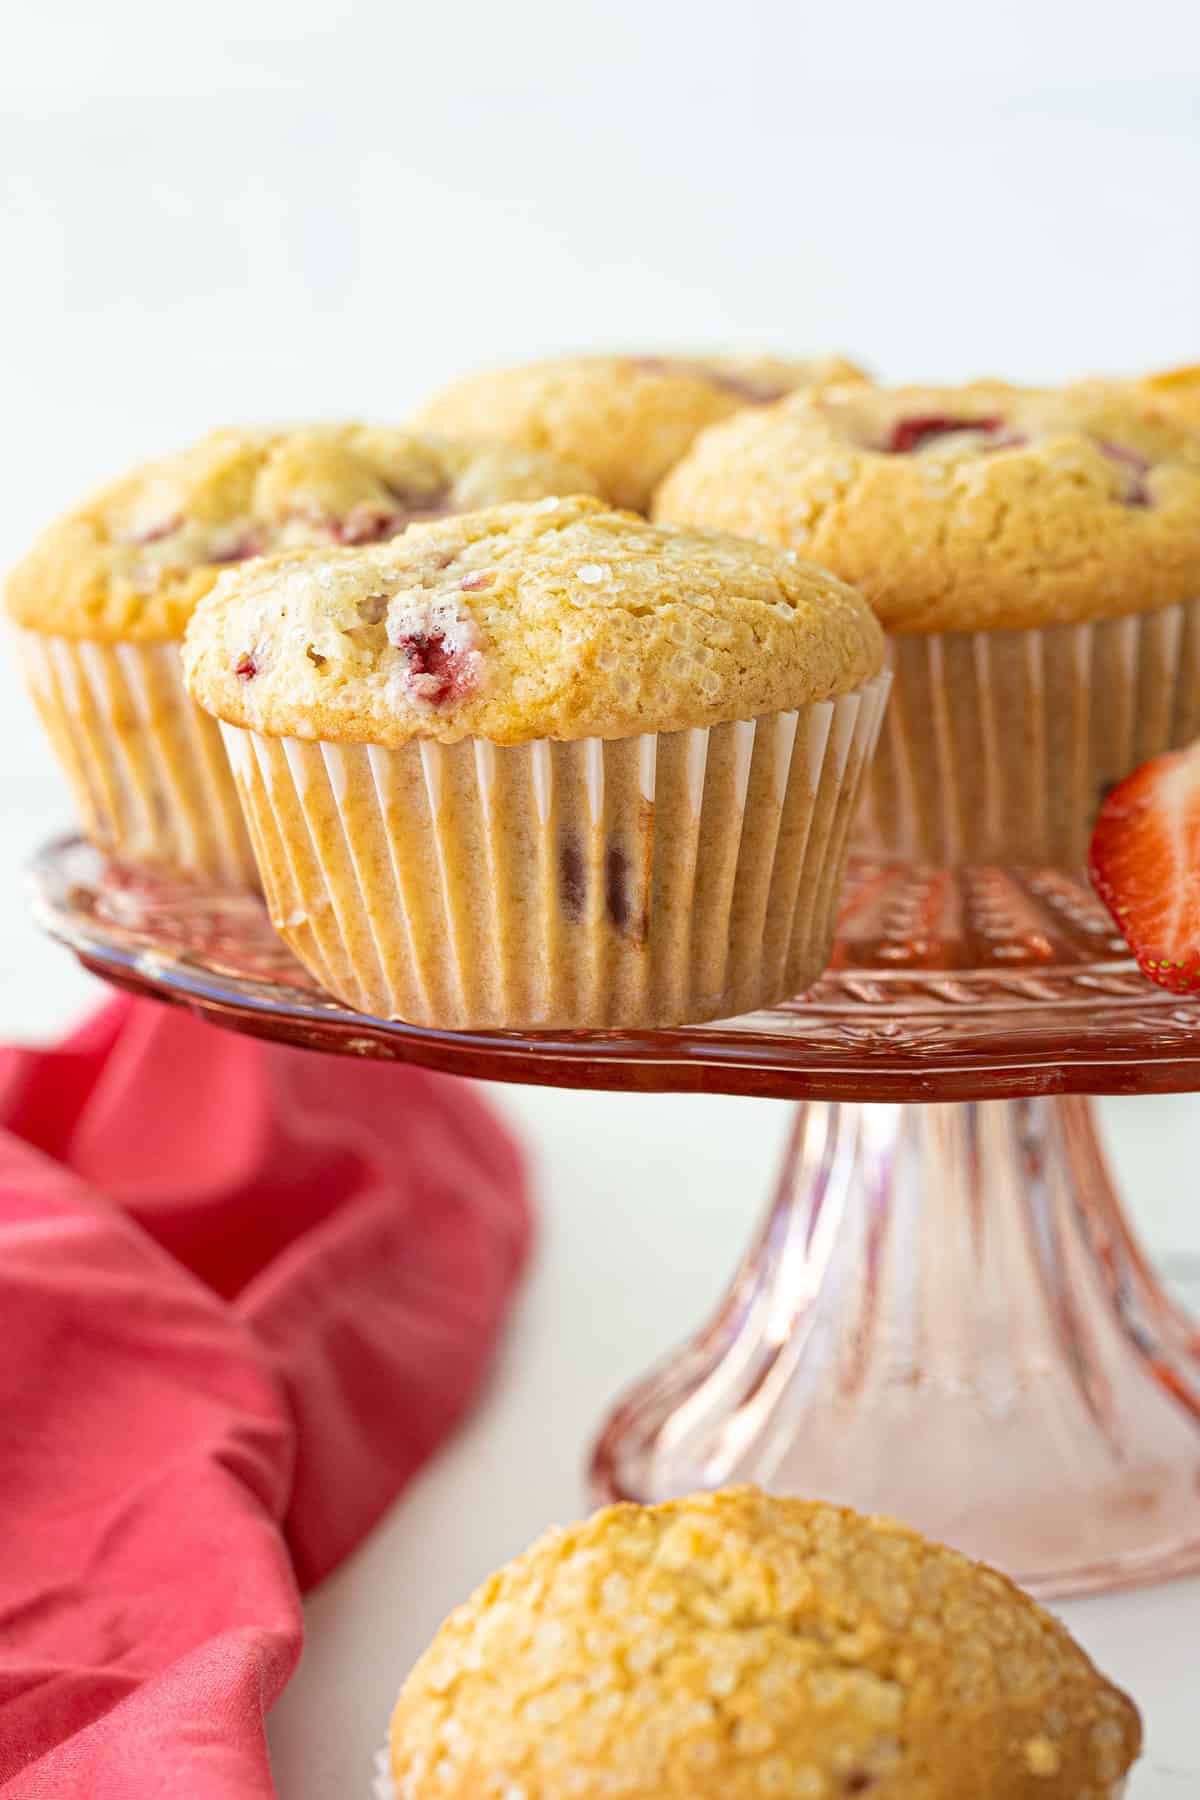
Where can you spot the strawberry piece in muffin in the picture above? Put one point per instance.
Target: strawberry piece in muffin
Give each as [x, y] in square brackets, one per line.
[440, 647]
[914, 433]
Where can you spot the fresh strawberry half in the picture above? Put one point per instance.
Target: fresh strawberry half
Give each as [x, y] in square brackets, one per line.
[1145, 865]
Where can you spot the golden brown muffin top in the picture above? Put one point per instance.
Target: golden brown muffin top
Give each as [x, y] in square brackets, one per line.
[132, 561]
[734, 1646]
[550, 619]
[1177, 391]
[626, 418]
[973, 508]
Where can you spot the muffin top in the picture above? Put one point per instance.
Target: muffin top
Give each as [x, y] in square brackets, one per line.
[973, 508]
[732, 1645]
[556, 618]
[1177, 391]
[132, 561]
[626, 418]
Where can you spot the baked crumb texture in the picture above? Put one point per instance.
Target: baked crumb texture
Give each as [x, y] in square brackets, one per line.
[546, 766]
[628, 419]
[963, 509]
[738, 1646]
[558, 619]
[133, 560]
[1037, 555]
[103, 597]
[1177, 391]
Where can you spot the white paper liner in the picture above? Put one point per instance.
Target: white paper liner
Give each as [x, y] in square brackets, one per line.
[999, 746]
[146, 766]
[625, 882]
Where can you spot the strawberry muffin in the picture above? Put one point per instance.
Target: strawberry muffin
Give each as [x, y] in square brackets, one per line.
[102, 600]
[1036, 556]
[626, 418]
[732, 1646]
[546, 765]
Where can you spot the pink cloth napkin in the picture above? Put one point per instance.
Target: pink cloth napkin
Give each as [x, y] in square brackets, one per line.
[244, 1292]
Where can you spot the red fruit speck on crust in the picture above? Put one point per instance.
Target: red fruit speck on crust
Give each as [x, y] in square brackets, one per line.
[743, 387]
[914, 433]
[367, 525]
[242, 551]
[421, 503]
[373, 523]
[246, 667]
[441, 658]
[153, 534]
[1144, 862]
[431, 667]
[1137, 493]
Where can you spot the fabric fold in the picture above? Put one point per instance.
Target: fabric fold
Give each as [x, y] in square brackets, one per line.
[245, 1291]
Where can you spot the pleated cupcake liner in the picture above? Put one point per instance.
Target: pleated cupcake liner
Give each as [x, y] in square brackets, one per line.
[627, 882]
[999, 746]
[147, 768]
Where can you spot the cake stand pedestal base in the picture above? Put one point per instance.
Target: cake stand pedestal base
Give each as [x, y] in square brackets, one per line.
[946, 1318]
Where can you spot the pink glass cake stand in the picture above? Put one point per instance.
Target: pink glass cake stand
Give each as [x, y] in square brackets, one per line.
[945, 1315]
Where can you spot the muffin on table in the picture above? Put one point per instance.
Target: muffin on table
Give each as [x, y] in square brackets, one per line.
[732, 1646]
[626, 418]
[102, 600]
[546, 765]
[1037, 556]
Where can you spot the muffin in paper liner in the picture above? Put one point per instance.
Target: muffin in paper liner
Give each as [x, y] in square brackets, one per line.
[102, 599]
[146, 766]
[999, 746]
[546, 766]
[597, 883]
[1034, 553]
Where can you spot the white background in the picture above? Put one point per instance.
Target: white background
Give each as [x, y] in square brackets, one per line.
[288, 210]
